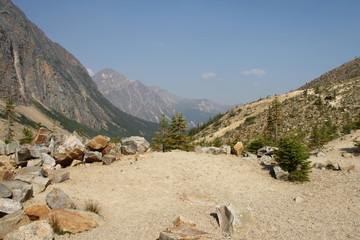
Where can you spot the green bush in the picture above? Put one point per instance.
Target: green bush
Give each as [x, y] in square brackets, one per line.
[258, 143]
[292, 156]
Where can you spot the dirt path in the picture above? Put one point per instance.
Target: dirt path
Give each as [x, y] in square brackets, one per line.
[141, 197]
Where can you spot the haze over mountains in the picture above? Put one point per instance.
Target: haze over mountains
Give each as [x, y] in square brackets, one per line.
[149, 103]
[36, 71]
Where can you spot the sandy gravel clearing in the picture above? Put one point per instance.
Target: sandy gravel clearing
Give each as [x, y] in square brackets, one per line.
[141, 197]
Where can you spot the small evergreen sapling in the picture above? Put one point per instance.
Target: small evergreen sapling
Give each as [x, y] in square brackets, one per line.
[292, 156]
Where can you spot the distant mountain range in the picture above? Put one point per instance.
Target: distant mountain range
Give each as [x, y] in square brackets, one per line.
[34, 71]
[149, 103]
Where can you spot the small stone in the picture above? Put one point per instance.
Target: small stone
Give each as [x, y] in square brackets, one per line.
[299, 199]
[34, 163]
[48, 161]
[346, 167]
[34, 170]
[39, 230]
[108, 159]
[181, 221]
[347, 155]
[320, 154]
[184, 233]
[40, 183]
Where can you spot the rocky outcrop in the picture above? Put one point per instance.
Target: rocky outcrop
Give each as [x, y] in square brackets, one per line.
[39, 230]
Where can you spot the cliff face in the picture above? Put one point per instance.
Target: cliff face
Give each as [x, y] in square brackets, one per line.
[150, 103]
[33, 68]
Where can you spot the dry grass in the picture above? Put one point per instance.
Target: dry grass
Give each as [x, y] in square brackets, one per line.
[92, 206]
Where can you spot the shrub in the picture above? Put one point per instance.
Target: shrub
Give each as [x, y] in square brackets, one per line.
[92, 206]
[258, 143]
[28, 136]
[292, 157]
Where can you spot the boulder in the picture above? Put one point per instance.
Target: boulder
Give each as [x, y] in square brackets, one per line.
[21, 191]
[225, 149]
[98, 143]
[47, 161]
[34, 162]
[184, 233]
[279, 173]
[90, 157]
[74, 221]
[266, 151]
[22, 155]
[37, 212]
[2, 147]
[12, 222]
[239, 148]
[8, 206]
[108, 159]
[39, 230]
[266, 159]
[6, 175]
[11, 148]
[198, 149]
[232, 219]
[113, 150]
[298, 199]
[40, 183]
[318, 166]
[57, 176]
[41, 136]
[71, 142]
[36, 151]
[211, 150]
[36, 171]
[5, 192]
[347, 155]
[57, 198]
[66, 156]
[132, 145]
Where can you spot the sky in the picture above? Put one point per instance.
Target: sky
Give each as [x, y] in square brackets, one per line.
[229, 51]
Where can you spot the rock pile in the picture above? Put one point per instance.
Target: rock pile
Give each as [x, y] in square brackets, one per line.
[28, 169]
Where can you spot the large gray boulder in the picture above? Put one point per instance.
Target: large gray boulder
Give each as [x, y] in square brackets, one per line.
[21, 191]
[39, 230]
[57, 198]
[135, 144]
[8, 206]
[22, 155]
[48, 162]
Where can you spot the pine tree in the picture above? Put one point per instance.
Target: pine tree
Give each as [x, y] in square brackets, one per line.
[274, 121]
[28, 136]
[292, 156]
[161, 137]
[177, 138]
[9, 113]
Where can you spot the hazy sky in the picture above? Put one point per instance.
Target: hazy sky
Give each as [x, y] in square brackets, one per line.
[229, 51]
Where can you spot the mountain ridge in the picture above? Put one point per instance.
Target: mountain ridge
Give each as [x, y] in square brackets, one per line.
[149, 103]
[35, 69]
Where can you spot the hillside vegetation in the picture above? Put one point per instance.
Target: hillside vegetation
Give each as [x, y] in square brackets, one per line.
[328, 106]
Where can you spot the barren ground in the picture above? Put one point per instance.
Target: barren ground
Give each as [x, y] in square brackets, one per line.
[140, 198]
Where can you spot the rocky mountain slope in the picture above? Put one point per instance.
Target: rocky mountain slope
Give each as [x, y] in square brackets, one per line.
[35, 71]
[328, 103]
[150, 103]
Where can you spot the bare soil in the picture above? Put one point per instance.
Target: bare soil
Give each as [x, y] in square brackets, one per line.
[141, 196]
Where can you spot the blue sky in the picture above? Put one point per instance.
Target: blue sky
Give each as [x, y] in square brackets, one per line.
[229, 51]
